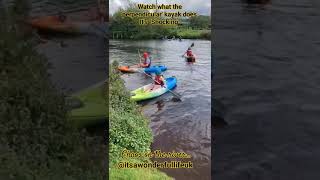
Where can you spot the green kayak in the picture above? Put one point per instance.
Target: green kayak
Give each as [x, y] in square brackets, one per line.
[88, 107]
[147, 91]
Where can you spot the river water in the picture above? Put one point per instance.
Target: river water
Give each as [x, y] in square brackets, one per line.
[177, 126]
[267, 75]
[81, 61]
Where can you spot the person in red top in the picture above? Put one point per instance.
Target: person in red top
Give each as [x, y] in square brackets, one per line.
[189, 52]
[146, 60]
[159, 81]
[190, 56]
[145, 63]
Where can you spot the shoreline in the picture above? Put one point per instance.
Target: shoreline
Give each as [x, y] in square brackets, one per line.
[177, 34]
[129, 130]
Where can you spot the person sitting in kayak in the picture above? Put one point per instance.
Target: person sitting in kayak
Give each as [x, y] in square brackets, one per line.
[190, 56]
[159, 81]
[146, 60]
[189, 52]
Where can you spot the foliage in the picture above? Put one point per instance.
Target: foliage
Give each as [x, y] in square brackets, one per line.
[131, 27]
[36, 142]
[194, 34]
[200, 22]
[128, 129]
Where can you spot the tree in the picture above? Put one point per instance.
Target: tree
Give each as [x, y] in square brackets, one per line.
[200, 22]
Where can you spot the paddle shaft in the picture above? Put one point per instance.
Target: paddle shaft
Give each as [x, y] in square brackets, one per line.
[159, 83]
[139, 56]
[139, 60]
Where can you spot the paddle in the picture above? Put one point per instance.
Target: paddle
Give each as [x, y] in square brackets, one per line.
[139, 66]
[139, 56]
[176, 95]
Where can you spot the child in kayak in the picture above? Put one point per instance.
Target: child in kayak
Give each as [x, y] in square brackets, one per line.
[189, 55]
[188, 52]
[159, 81]
[146, 60]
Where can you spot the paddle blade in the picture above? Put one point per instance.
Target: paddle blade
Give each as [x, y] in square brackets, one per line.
[176, 99]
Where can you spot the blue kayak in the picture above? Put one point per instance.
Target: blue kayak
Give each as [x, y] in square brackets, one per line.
[148, 91]
[153, 69]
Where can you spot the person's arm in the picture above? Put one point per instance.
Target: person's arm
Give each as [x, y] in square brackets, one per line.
[162, 81]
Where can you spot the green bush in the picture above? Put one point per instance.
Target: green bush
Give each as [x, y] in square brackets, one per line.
[36, 142]
[128, 129]
[206, 35]
[194, 34]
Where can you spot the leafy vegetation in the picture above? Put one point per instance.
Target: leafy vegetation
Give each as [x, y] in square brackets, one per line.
[128, 129]
[200, 22]
[36, 140]
[194, 34]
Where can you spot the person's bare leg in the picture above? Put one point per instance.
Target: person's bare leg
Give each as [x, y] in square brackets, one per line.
[155, 87]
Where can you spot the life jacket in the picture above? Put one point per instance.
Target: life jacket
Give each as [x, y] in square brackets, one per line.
[159, 80]
[189, 53]
[147, 61]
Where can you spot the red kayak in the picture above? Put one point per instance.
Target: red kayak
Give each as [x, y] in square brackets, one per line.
[131, 69]
[56, 24]
[127, 69]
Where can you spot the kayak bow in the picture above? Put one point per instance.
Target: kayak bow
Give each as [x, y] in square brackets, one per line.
[151, 69]
[54, 24]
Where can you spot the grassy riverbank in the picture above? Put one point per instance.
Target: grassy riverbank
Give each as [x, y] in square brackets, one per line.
[128, 130]
[159, 33]
[194, 34]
